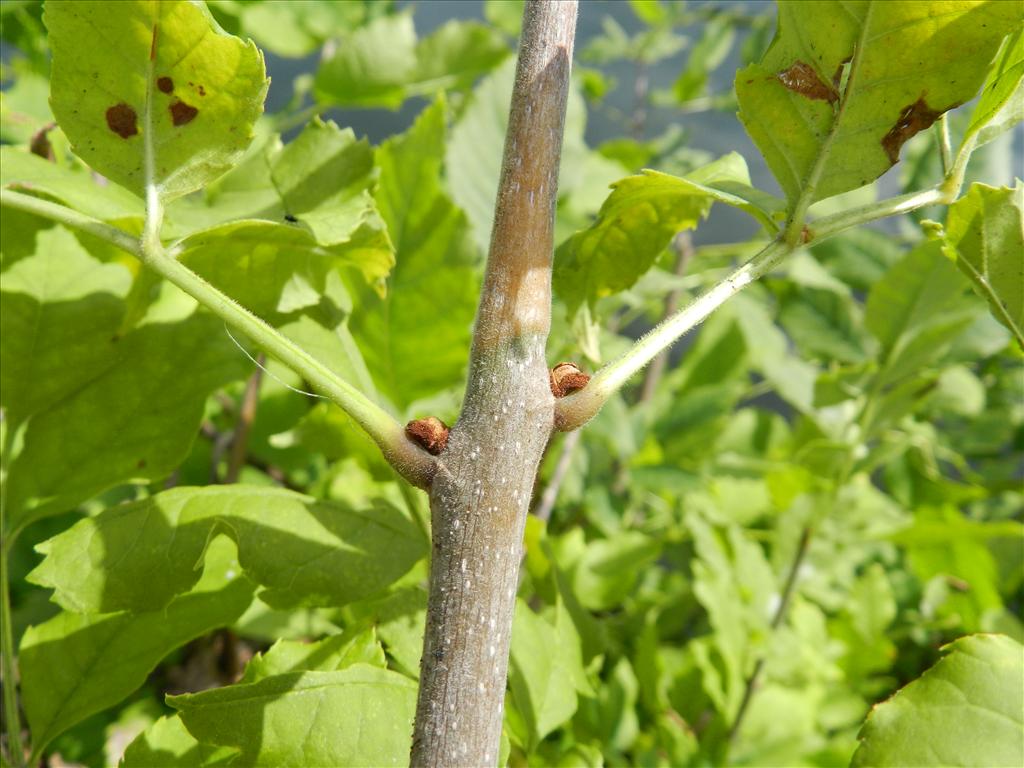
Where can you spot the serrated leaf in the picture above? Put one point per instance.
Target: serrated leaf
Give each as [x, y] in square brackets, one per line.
[99, 406]
[153, 93]
[327, 655]
[167, 744]
[382, 63]
[915, 311]
[77, 664]
[436, 268]
[638, 221]
[966, 710]
[292, 212]
[361, 715]
[831, 115]
[301, 551]
[984, 234]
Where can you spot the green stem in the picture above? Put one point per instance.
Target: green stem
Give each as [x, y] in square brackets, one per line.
[576, 409]
[945, 146]
[413, 463]
[10, 699]
[71, 218]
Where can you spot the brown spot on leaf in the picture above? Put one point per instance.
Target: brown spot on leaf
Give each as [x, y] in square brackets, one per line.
[165, 84]
[801, 78]
[567, 378]
[140, 463]
[121, 120]
[182, 113]
[912, 120]
[430, 433]
[202, 91]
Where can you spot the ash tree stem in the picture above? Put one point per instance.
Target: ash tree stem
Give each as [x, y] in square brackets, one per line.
[481, 490]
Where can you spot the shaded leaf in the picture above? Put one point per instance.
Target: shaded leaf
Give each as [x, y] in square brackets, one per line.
[167, 744]
[985, 236]
[153, 93]
[98, 406]
[332, 653]
[303, 552]
[916, 310]
[77, 664]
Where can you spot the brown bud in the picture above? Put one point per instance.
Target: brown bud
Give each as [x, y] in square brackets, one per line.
[566, 378]
[430, 433]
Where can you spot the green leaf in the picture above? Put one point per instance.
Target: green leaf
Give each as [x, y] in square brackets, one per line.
[153, 94]
[382, 63]
[638, 221]
[333, 653]
[540, 672]
[75, 188]
[314, 202]
[167, 744]
[303, 552]
[77, 664]
[966, 710]
[607, 572]
[824, 323]
[361, 715]
[1001, 104]
[845, 84]
[98, 406]
[985, 236]
[436, 269]
[916, 310]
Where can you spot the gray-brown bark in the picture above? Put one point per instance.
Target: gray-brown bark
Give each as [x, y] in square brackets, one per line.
[481, 491]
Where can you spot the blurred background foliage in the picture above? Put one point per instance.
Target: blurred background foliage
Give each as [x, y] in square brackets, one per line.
[774, 528]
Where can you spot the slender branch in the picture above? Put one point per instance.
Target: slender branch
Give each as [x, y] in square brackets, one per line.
[945, 147]
[578, 408]
[413, 463]
[71, 218]
[831, 225]
[780, 616]
[10, 681]
[683, 244]
[243, 425]
[550, 495]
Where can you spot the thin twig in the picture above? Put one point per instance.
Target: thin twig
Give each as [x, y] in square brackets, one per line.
[682, 243]
[243, 426]
[550, 495]
[777, 619]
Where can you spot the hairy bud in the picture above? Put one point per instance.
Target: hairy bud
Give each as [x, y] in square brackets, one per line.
[430, 433]
[566, 378]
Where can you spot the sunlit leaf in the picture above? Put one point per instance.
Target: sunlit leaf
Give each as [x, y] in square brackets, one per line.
[153, 94]
[963, 711]
[845, 84]
[360, 715]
